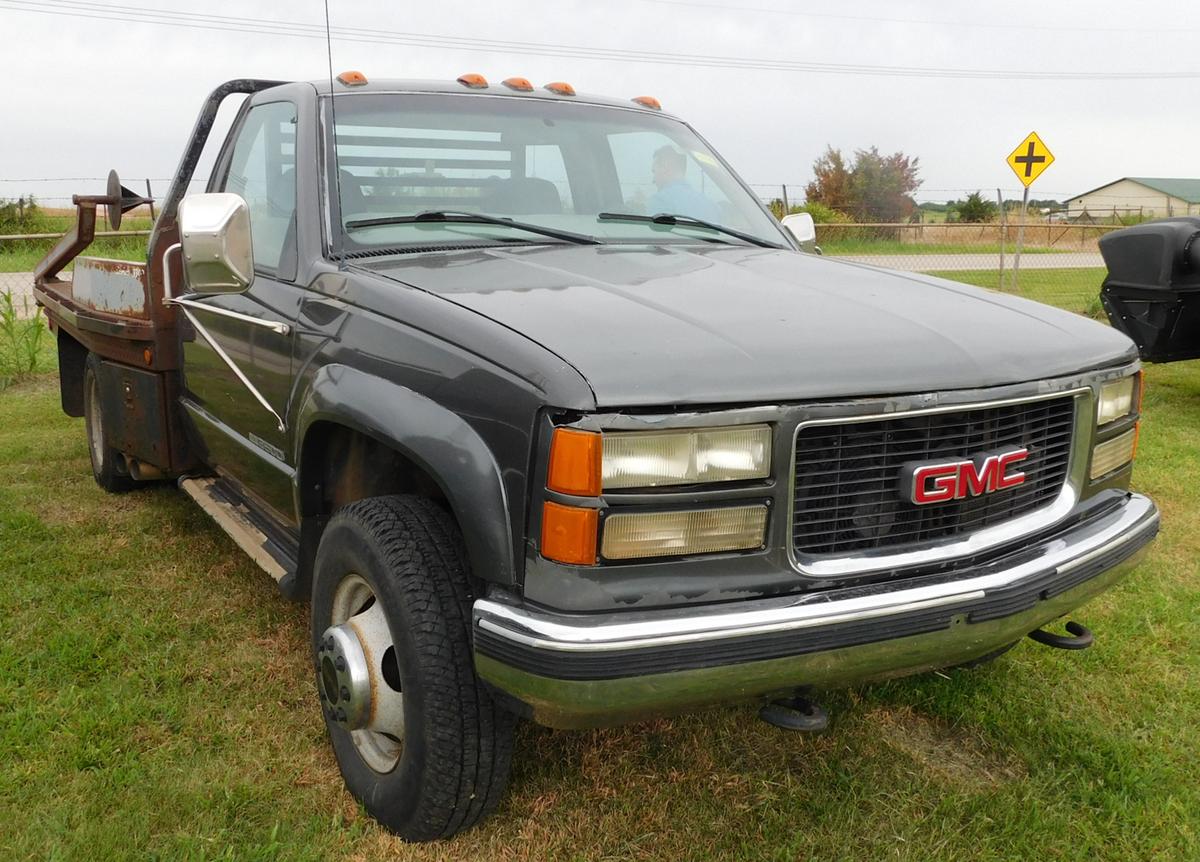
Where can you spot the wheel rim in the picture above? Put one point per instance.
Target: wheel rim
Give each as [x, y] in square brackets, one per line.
[95, 425]
[358, 675]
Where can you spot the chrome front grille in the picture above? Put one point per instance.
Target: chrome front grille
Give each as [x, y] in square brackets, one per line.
[848, 498]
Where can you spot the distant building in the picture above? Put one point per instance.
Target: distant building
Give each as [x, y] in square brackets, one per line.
[1151, 197]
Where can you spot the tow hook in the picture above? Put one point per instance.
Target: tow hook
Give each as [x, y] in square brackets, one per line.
[797, 713]
[1082, 637]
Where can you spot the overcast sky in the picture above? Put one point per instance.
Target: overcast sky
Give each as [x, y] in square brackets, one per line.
[84, 95]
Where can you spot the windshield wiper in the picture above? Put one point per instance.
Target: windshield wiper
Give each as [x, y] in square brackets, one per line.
[455, 217]
[673, 219]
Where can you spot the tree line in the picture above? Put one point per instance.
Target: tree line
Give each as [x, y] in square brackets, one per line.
[873, 187]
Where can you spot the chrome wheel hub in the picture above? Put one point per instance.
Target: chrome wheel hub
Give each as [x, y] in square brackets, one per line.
[359, 676]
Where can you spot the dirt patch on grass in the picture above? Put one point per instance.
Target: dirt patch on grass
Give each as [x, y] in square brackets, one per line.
[950, 754]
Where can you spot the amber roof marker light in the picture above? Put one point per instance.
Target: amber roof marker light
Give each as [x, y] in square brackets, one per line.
[561, 88]
[473, 80]
[647, 102]
[352, 78]
[520, 84]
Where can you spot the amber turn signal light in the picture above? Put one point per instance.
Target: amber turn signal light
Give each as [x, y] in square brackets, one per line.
[575, 462]
[561, 88]
[352, 79]
[521, 84]
[648, 102]
[569, 534]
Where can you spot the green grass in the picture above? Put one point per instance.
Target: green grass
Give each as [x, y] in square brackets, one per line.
[26, 346]
[157, 703]
[23, 256]
[852, 246]
[1076, 290]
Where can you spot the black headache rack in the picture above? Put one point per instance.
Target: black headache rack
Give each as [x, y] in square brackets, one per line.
[1152, 292]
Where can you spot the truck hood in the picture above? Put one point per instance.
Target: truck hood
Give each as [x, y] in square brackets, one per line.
[666, 325]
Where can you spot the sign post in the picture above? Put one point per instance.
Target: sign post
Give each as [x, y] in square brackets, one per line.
[1027, 161]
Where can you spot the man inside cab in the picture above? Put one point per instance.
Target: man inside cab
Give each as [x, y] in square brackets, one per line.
[675, 195]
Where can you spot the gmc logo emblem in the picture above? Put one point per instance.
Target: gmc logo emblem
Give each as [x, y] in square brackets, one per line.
[956, 480]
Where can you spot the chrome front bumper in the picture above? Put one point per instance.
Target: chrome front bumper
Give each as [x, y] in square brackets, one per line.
[587, 670]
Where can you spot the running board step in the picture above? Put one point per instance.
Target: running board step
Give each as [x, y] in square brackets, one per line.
[245, 527]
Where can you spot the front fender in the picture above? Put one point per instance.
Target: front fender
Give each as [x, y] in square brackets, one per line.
[432, 437]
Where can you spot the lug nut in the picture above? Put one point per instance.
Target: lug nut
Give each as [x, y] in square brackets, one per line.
[340, 664]
[345, 693]
[341, 715]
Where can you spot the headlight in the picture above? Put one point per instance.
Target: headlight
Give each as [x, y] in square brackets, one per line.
[651, 459]
[703, 531]
[1116, 399]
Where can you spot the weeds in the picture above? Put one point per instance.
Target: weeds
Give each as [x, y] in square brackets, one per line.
[21, 342]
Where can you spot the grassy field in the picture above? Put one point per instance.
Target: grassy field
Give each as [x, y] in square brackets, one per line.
[22, 256]
[1076, 290]
[845, 246]
[157, 703]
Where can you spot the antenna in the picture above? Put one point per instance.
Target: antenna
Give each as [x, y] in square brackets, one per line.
[337, 173]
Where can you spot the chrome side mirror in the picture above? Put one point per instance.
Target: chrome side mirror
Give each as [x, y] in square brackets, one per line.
[214, 230]
[803, 230]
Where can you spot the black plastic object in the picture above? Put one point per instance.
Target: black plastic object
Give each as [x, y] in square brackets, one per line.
[795, 713]
[1082, 637]
[120, 200]
[1152, 292]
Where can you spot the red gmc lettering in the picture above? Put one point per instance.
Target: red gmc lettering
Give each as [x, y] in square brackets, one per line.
[938, 483]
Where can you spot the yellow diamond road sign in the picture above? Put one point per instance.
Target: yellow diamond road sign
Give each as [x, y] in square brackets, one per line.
[1030, 159]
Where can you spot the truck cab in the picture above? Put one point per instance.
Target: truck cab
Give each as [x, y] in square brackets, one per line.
[549, 418]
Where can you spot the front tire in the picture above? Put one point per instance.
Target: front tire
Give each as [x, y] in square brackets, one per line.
[108, 465]
[420, 743]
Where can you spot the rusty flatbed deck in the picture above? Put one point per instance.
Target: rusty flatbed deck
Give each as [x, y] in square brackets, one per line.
[106, 306]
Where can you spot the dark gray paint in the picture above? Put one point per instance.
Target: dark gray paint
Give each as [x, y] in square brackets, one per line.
[710, 324]
[430, 435]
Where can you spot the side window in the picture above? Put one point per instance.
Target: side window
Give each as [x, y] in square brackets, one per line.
[656, 175]
[545, 162]
[262, 169]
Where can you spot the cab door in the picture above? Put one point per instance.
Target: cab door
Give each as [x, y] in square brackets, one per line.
[237, 356]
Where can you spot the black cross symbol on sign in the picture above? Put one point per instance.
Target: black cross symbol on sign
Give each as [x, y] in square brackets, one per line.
[1029, 160]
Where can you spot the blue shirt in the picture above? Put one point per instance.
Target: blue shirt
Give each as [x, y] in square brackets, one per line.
[679, 198]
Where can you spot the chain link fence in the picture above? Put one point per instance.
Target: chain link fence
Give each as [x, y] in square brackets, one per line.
[19, 286]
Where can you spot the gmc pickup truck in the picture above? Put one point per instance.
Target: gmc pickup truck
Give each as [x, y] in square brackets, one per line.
[549, 418]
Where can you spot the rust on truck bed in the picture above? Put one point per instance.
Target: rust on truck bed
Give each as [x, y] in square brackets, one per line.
[114, 286]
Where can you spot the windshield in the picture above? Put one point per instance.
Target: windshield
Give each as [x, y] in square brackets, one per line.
[541, 163]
